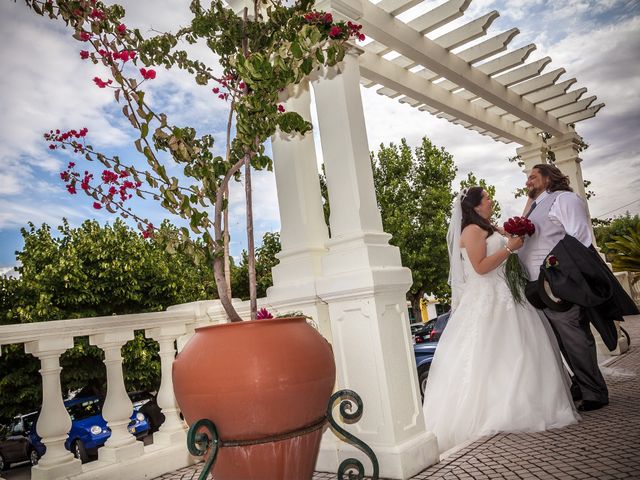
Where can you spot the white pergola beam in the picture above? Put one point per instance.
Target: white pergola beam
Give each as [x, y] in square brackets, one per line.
[403, 39]
[400, 80]
[562, 100]
[573, 107]
[523, 73]
[396, 7]
[439, 16]
[489, 47]
[550, 92]
[583, 115]
[507, 61]
[468, 32]
[538, 83]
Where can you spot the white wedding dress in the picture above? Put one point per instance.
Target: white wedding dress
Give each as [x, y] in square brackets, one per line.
[497, 367]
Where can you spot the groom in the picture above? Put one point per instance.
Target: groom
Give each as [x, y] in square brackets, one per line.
[556, 211]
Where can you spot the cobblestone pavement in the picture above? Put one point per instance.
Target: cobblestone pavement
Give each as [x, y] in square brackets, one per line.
[605, 444]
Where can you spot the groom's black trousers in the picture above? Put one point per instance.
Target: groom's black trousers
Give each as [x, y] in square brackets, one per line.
[578, 348]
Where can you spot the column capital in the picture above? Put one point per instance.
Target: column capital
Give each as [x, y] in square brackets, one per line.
[533, 154]
[51, 346]
[116, 338]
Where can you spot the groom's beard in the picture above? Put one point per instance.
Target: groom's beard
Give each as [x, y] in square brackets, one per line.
[533, 193]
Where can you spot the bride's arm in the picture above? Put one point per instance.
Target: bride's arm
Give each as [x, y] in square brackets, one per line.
[473, 238]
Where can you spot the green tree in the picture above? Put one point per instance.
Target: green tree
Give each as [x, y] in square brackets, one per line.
[606, 230]
[625, 250]
[85, 272]
[413, 191]
[265, 261]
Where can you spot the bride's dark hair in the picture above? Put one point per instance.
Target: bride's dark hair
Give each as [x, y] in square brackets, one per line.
[468, 201]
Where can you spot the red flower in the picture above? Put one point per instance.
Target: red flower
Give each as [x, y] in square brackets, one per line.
[148, 74]
[551, 261]
[263, 314]
[328, 18]
[85, 36]
[519, 226]
[84, 54]
[280, 108]
[97, 206]
[215, 90]
[335, 32]
[148, 232]
[101, 83]
[71, 189]
[122, 28]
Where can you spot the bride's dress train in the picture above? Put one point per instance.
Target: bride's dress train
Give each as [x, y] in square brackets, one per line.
[497, 366]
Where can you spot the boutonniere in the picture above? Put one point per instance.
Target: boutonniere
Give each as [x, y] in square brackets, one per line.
[551, 261]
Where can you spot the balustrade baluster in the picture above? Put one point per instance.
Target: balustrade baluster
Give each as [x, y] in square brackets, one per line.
[117, 408]
[173, 430]
[54, 422]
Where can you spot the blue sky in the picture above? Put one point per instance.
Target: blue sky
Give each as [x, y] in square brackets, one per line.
[46, 85]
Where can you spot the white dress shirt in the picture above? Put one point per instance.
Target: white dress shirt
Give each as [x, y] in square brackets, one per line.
[570, 211]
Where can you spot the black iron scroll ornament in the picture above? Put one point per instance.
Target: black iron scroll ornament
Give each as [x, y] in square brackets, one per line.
[203, 439]
[349, 398]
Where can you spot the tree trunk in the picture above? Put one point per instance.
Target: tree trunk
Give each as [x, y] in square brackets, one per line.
[251, 265]
[227, 263]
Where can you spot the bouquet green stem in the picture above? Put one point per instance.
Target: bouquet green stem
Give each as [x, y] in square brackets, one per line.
[516, 278]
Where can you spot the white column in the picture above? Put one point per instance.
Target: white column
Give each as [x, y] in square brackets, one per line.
[117, 408]
[566, 149]
[365, 285]
[303, 232]
[532, 155]
[54, 422]
[173, 430]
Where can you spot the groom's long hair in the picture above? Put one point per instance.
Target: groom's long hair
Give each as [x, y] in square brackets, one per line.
[472, 199]
[558, 181]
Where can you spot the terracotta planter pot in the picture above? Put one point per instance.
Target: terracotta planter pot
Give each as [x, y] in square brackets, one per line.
[255, 380]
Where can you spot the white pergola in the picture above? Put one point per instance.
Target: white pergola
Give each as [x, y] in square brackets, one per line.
[353, 283]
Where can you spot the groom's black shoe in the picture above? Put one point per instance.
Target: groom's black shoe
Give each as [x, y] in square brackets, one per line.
[588, 405]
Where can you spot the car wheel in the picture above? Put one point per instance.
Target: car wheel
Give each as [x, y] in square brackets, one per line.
[423, 373]
[34, 457]
[3, 465]
[79, 451]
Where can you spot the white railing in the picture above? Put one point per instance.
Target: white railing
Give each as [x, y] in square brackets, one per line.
[121, 456]
[634, 285]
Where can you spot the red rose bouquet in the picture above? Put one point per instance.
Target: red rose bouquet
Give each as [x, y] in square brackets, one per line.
[515, 275]
[519, 226]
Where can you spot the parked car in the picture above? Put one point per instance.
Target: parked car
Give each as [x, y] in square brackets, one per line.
[439, 326]
[422, 331]
[425, 349]
[19, 442]
[424, 353]
[89, 429]
[146, 402]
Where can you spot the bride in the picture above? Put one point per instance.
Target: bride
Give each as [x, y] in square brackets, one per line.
[497, 366]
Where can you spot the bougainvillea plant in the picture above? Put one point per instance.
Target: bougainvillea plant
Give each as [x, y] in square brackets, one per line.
[262, 52]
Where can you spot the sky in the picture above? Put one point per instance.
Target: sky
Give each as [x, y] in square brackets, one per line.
[45, 85]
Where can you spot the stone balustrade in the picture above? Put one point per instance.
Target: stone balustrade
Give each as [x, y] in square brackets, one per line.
[122, 456]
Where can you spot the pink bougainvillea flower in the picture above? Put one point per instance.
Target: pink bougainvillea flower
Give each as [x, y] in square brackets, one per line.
[149, 74]
[263, 314]
[84, 54]
[122, 28]
[97, 205]
[148, 232]
[85, 36]
[280, 108]
[101, 83]
[215, 90]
